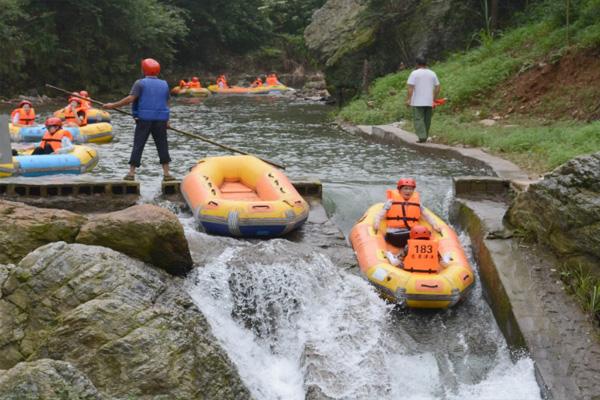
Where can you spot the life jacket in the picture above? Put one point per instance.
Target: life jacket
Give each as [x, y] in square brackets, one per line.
[195, 85]
[85, 105]
[71, 116]
[422, 256]
[152, 103]
[55, 141]
[403, 213]
[272, 80]
[25, 118]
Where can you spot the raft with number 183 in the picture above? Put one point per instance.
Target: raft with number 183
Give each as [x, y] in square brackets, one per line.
[442, 287]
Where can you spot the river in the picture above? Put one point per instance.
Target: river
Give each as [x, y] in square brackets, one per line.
[295, 324]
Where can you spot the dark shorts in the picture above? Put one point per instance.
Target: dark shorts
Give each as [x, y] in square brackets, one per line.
[397, 239]
[143, 129]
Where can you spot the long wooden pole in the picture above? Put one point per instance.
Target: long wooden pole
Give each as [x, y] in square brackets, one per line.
[194, 135]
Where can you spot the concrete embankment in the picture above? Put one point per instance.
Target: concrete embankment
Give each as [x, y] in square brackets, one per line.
[520, 280]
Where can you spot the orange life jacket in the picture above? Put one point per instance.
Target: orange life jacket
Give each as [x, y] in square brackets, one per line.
[25, 118]
[272, 80]
[85, 104]
[71, 116]
[403, 213]
[55, 141]
[422, 256]
[195, 85]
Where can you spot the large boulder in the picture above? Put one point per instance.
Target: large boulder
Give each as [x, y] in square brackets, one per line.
[25, 228]
[147, 232]
[129, 327]
[358, 39]
[46, 380]
[563, 211]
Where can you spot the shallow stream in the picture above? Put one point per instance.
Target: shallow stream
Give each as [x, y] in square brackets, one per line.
[295, 324]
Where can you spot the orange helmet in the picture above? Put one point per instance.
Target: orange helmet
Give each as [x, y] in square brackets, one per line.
[73, 98]
[420, 232]
[84, 93]
[53, 121]
[407, 182]
[195, 79]
[22, 103]
[150, 67]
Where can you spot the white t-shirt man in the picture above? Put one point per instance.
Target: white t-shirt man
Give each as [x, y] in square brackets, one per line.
[424, 82]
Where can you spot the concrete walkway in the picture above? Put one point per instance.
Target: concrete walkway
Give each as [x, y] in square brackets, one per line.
[503, 168]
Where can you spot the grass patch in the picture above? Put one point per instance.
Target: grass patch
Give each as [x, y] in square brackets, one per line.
[585, 288]
[533, 146]
[469, 81]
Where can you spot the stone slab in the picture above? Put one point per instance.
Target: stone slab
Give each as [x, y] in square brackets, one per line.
[530, 305]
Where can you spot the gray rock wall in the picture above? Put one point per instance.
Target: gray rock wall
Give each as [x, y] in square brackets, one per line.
[562, 211]
[344, 34]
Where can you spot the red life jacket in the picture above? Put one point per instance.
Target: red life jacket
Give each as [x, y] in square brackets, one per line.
[195, 85]
[403, 213]
[55, 141]
[25, 118]
[422, 256]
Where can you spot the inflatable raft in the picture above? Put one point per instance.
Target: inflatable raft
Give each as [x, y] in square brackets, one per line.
[249, 90]
[94, 115]
[243, 196]
[190, 92]
[78, 160]
[417, 289]
[92, 133]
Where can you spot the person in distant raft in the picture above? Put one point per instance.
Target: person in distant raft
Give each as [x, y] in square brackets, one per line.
[195, 83]
[272, 80]
[423, 90]
[85, 104]
[402, 211]
[52, 140]
[75, 115]
[150, 98]
[24, 114]
[257, 82]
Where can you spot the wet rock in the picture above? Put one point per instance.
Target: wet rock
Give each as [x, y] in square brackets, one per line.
[147, 232]
[46, 380]
[129, 327]
[563, 211]
[25, 228]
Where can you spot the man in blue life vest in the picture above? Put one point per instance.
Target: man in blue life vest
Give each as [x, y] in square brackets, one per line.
[150, 98]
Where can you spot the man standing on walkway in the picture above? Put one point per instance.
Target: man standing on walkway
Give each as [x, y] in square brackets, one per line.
[150, 98]
[423, 89]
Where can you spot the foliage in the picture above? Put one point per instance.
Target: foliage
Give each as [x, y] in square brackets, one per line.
[97, 44]
[585, 287]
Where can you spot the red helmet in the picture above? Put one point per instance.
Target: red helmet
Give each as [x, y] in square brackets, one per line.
[150, 67]
[195, 79]
[84, 93]
[22, 103]
[407, 182]
[73, 98]
[53, 121]
[420, 232]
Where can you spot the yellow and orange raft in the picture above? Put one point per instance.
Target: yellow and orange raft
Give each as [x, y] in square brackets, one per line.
[441, 289]
[243, 196]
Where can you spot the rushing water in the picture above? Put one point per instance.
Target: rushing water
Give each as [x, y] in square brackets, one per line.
[294, 323]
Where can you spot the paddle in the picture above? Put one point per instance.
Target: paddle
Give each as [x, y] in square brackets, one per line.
[194, 135]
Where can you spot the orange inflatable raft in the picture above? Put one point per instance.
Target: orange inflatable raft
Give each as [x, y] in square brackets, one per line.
[440, 287]
[243, 196]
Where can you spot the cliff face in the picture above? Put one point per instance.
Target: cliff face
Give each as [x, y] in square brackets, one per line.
[359, 40]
